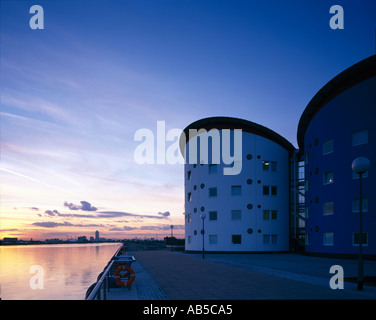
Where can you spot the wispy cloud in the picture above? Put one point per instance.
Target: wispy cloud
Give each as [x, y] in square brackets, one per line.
[51, 224]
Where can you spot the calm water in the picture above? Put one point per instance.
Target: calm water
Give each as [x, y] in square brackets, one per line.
[68, 269]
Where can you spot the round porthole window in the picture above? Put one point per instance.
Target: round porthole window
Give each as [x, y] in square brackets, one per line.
[202, 209]
[249, 156]
[202, 186]
[250, 231]
[249, 206]
[195, 232]
[249, 181]
[195, 210]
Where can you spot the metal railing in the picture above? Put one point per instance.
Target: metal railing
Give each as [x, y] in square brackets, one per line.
[101, 288]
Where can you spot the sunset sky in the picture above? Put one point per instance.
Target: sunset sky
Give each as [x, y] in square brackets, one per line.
[74, 94]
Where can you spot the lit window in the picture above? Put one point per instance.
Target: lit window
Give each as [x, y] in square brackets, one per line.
[236, 214]
[328, 177]
[328, 147]
[213, 192]
[356, 238]
[236, 190]
[328, 238]
[356, 205]
[269, 165]
[189, 218]
[213, 239]
[328, 208]
[212, 215]
[236, 239]
[360, 137]
[212, 168]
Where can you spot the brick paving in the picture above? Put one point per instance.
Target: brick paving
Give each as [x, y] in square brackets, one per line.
[180, 276]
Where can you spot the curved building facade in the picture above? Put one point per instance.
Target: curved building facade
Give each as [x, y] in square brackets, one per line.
[245, 210]
[337, 126]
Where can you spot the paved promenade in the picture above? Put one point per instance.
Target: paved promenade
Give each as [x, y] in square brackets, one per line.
[180, 276]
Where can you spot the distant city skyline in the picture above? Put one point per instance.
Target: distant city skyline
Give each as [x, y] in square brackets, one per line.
[74, 94]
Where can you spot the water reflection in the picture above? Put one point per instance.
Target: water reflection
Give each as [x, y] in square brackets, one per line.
[68, 269]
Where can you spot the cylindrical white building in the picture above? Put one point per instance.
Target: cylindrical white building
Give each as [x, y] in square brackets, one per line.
[245, 210]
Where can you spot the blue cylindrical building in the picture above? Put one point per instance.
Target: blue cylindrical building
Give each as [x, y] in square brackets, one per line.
[337, 126]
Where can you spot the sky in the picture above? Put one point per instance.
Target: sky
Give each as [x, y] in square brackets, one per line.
[74, 93]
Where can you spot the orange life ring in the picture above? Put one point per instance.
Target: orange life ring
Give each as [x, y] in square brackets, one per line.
[118, 278]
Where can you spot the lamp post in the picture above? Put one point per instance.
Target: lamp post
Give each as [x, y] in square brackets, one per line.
[203, 216]
[360, 166]
[172, 228]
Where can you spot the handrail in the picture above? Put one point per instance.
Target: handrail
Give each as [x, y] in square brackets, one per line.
[103, 281]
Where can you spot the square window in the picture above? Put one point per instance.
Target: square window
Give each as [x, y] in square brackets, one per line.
[360, 137]
[274, 214]
[213, 239]
[266, 214]
[356, 205]
[265, 190]
[274, 238]
[236, 214]
[236, 190]
[212, 215]
[266, 239]
[328, 238]
[273, 165]
[189, 175]
[328, 147]
[328, 177]
[213, 192]
[274, 190]
[236, 239]
[364, 238]
[189, 218]
[328, 208]
[212, 168]
[189, 196]
[189, 239]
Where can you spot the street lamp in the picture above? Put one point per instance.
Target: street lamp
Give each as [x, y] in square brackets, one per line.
[360, 166]
[203, 216]
[172, 228]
